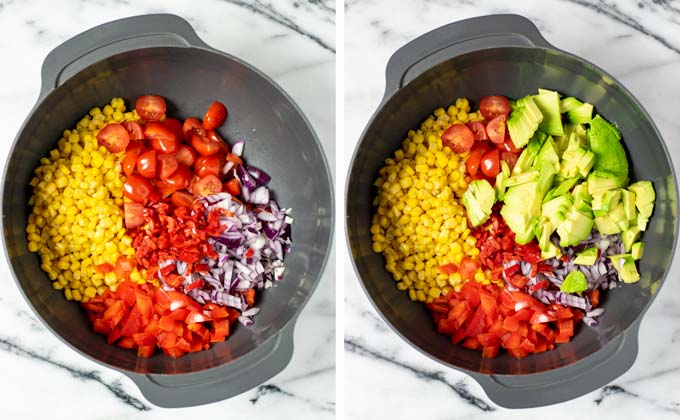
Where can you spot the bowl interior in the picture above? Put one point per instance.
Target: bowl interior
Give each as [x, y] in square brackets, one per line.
[513, 72]
[278, 140]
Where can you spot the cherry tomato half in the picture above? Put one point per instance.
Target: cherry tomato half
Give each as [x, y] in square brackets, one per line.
[146, 164]
[161, 137]
[190, 124]
[493, 106]
[215, 117]
[208, 165]
[496, 129]
[139, 189]
[207, 185]
[185, 155]
[509, 158]
[182, 199]
[176, 126]
[114, 137]
[150, 107]
[167, 165]
[490, 163]
[134, 215]
[478, 130]
[132, 152]
[508, 145]
[473, 160]
[459, 138]
[179, 179]
[135, 129]
[204, 145]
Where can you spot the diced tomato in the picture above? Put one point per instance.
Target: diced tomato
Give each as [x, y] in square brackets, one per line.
[478, 130]
[191, 124]
[208, 165]
[129, 162]
[134, 215]
[207, 185]
[493, 106]
[176, 126]
[473, 160]
[167, 165]
[490, 163]
[204, 145]
[458, 137]
[150, 107]
[139, 189]
[233, 187]
[135, 130]
[495, 129]
[114, 137]
[594, 296]
[161, 137]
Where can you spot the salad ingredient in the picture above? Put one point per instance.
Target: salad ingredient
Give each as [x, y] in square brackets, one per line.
[548, 102]
[495, 129]
[604, 140]
[161, 137]
[76, 221]
[145, 318]
[575, 282]
[488, 318]
[587, 256]
[150, 107]
[215, 116]
[114, 137]
[146, 164]
[205, 144]
[458, 137]
[524, 121]
[135, 129]
[490, 163]
[140, 190]
[494, 106]
[478, 200]
[419, 224]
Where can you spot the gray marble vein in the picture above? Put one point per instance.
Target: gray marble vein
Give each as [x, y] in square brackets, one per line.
[610, 390]
[275, 390]
[10, 345]
[268, 11]
[459, 388]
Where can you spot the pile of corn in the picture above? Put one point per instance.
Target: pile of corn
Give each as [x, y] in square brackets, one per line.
[76, 221]
[420, 222]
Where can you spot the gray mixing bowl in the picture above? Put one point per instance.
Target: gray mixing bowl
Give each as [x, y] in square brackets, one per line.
[161, 54]
[506, 55]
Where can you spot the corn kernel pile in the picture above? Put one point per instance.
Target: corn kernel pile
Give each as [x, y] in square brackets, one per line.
[76, 221]
[420, 223]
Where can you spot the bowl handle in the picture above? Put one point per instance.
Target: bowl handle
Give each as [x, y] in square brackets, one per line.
[100, 42]
[563, 384]
[458, 38]
[222, 382]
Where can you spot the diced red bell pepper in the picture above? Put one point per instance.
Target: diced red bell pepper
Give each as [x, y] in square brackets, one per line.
[476, 325]
[471, 343]
[511, 324]
[146, 351]
[488, 339]
[490, 352]
[446, 326]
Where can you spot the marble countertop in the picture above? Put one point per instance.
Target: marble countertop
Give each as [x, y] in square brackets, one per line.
[293, 42]
[636, 41]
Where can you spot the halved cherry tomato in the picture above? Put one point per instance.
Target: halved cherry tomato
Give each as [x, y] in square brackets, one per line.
[190, 124]
[207, 185]
[139, 189]
[490, 163]
[182, 199]
[493, 106]
[203, 145]
[132, 152]
[185, 155]
[496, 129]
[167, 165]
[215, 117]
[459, 138]
[150, 107]
[179, 179]
[135, 129]
[208, 165]
[473, 160]
[468, 267]
[478, 130]
[161, 137]
[176, 126]
[124, 265]
[233, 187]
[233, 158]
[134, 215]
[114, 137]
[509, 158]
[146, 164]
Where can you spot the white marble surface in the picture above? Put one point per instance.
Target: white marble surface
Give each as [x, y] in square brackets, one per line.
[636, 41]
[294, 43]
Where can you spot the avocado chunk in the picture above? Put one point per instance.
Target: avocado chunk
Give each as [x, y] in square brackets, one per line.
[555, 210]
[575, 228]
[625, 265]
[576, 161]
[587, 256]
[582, 199]
[628, 237]
[524, 121]
[528, 156]
[563, 188]
[546, 177]
[548, 155]
[628, 200]
[522, 207]
[601, 181]
[575, 282]
[581, 115]
[637, 250]
[569, 103]
[603, 139]
[604, 202]
[478, 200]
[605, 225]
[642, 222]
[548, 102]
[644, 197]
[523, 178]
